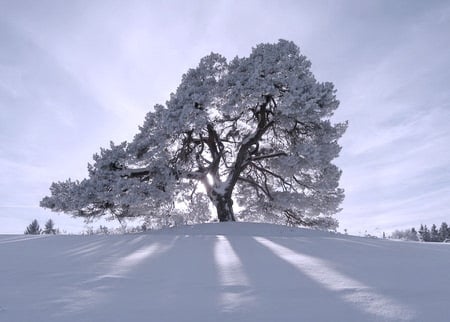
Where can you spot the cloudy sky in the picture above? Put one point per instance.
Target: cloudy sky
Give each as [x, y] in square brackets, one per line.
[76, 74]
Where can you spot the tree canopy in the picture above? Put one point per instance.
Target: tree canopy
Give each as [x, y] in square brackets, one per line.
[255, 131]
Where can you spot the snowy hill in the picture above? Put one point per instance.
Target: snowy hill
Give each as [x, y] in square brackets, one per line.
[222, 272]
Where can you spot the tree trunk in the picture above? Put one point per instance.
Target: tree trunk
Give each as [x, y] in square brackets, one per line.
[224, 207]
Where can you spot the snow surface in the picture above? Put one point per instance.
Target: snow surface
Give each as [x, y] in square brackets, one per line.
[222, 272]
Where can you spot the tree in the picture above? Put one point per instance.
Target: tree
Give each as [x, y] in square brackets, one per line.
[103, 230]
[413, 235]
[33, 228]
[49, 228]
[407, 234]
[434, 234]
[444, 232]
[424, 233]
[255, 130]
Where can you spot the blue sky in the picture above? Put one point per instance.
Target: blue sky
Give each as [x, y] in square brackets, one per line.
[75, 75]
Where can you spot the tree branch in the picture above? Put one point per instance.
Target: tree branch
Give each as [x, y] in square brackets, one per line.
[241, 159]
[256, 186]
[268, 156]
[275, 175]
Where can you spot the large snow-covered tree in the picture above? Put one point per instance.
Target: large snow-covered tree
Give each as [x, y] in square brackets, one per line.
[255, 131]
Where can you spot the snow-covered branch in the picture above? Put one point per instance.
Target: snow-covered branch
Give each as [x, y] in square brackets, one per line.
[255, 129]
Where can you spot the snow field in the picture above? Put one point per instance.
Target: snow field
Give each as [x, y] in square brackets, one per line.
[222, 272]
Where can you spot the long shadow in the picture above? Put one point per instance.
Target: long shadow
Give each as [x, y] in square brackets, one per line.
[360, 295]
[64, 275]
[34, 274]
[84, 276]
[282, 293]
[106, 249]
[94, 254]
[370, 263]
[177, 285]
[341, 253]
[7, 239]
[397, 269]
[235, 291]
[22, 265]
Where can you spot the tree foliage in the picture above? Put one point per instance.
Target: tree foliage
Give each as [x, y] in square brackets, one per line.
[424, 233]
[434, 234]
[444, 231]
[33, 228]
[255, 130]
[49, 228]
[407, 234]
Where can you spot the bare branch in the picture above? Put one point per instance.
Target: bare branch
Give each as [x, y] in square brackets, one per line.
[268, 156]
[256, 185]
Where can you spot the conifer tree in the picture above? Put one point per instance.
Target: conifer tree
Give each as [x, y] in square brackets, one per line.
[49, 227]
[424, 233]
[254, 131]
[443, 232]
[33, 228]
[434, 234]
[413, 235]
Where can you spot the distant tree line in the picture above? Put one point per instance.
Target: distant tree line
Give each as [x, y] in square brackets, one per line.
[49, 229]
[425, 234]
[35, 229]
[104, 230]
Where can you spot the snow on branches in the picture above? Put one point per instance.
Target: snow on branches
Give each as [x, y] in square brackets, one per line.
[255, 130]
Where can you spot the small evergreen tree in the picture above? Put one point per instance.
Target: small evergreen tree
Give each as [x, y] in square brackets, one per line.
[443, 232]
[33, 228]
[424, 233]
[421, 229]
[434, 234]
[49, 228]
[413, 235]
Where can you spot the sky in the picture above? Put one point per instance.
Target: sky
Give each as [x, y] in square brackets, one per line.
[75, 75]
